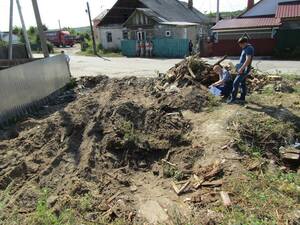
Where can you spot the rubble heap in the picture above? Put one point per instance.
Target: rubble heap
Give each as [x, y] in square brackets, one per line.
[195, 71]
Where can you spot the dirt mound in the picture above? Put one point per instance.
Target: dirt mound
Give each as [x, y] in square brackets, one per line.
[88, 147]
[262, 135]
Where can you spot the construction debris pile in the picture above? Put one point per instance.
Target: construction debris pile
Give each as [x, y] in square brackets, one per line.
[195, 71]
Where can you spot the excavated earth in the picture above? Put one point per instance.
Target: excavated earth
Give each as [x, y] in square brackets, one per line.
[92, 140]
[107, 149]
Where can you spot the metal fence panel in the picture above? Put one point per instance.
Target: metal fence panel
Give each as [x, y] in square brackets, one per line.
[162, 48]
[128, 48]
[25, 84]
[170, 48]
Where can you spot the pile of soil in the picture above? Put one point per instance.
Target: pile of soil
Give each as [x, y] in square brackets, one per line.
[90, 144]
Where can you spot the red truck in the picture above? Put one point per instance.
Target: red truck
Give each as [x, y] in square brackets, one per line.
[60, 38]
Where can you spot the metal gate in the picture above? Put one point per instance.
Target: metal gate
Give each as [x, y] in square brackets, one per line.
[162, 48]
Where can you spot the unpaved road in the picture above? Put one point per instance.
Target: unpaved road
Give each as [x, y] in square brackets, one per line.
[140, 67]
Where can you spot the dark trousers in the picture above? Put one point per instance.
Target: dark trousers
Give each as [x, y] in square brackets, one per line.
[239, 82]
[226, 89]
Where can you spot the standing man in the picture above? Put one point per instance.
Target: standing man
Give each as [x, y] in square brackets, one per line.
[191, 46]
[137, 48]
[151, 49]
[243, 68]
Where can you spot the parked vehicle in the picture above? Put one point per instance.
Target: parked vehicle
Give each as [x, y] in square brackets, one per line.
[60, 38]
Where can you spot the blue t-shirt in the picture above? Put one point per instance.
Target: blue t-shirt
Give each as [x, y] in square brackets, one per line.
[247, 51]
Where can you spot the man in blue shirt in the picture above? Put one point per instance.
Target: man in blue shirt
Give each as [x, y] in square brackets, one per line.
[244, 68]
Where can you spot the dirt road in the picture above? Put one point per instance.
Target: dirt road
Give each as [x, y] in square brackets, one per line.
[142, 67]
[120, 67]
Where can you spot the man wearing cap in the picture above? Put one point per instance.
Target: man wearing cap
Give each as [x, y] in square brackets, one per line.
[243, 68]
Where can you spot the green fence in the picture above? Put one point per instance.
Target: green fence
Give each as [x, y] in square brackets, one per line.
[162, 48]
[288, 45]
[128, 48]
[288, 39]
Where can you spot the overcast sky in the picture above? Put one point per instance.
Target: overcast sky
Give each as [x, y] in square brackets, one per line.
[72, 12]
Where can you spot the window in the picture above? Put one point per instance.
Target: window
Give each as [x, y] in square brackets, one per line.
[168, 33]
[109, 37]
[141, 35]
[125, 35]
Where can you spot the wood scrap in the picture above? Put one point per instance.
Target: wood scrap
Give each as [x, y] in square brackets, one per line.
[199, 181]
[221, 60]
[215, 183]
[182, 189]
[191, 71]
[169, 163]
[225, 198]
[113, 197]
[175, 188]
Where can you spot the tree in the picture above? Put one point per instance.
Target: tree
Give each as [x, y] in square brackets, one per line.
[32, 30]
[17, 30]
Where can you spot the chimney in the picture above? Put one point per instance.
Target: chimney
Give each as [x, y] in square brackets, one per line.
[191, 4]
[250, 4]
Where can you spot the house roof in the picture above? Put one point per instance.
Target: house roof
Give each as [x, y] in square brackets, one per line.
[163, 10]
[175, 11]
[101, 15]
[151, 14]
[241, 23]
[179, 23]
[264, 8]
[290, 10]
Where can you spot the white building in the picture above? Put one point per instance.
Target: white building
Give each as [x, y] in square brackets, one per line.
[4, 36]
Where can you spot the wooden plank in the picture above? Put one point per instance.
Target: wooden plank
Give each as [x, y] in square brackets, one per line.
[175, 188]
[215, 183]
[113, 197]
[225, 198]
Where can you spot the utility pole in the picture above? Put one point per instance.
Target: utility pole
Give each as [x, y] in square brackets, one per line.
[92, 29]
[27, 43]
[40, 28]
[59, 25]
[218, 11]
[10, 42]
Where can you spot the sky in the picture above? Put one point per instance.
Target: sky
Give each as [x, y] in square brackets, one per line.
[72, 13]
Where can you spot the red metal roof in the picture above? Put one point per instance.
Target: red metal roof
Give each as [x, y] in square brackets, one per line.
[240, 23]
[288, 10]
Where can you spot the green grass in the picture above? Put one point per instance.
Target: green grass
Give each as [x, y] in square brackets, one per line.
[265, 199]
[43, 215]
[258, 134]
